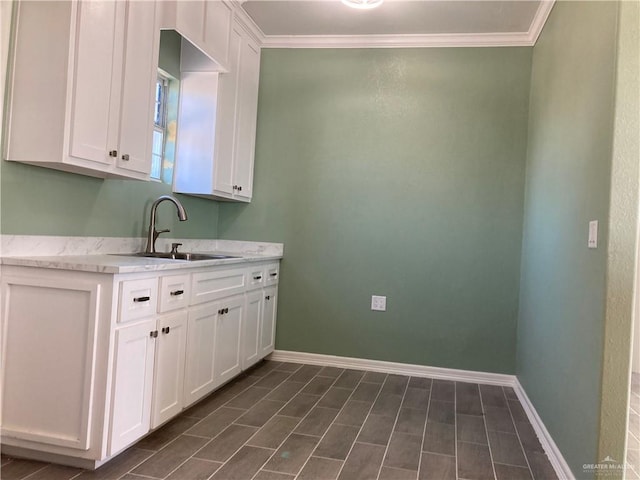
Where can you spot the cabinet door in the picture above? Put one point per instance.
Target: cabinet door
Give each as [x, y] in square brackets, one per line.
[98, 43]
[138, 82]
[217, 23]
[189, 21]
[199, 378]
[268, 327]
[227, 344]
[132, 384]
[247, 108]
[169, 367]
[223, 170]
[251, 328]
[49, 359]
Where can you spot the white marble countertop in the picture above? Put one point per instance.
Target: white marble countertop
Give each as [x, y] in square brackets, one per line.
[124, 264]
[100, 255]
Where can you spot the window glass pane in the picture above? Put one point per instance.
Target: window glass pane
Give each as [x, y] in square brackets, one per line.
[156, 156]
[165, 117]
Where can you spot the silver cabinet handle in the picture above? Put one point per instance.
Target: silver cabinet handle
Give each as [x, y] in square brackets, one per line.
[125, 157]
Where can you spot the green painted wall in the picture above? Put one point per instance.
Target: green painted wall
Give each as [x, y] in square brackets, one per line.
[169, 53]
[562, 287]
[40, 201]
[396, 172]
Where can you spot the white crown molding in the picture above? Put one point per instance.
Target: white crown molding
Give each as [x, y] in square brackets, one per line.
[514, 39]
[247, 22]
[539, 20]
[397, 41]
[553, 452]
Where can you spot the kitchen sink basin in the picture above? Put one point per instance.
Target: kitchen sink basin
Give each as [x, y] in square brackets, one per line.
[191, 257]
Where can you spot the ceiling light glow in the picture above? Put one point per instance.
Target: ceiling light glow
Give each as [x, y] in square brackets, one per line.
[363, 4]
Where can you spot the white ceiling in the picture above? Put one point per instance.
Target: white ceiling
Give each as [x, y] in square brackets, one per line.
[399, 22]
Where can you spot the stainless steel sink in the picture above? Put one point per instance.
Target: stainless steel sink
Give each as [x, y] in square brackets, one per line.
[191, 257]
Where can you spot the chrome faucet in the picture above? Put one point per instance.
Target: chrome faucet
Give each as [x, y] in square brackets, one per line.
[153, 233]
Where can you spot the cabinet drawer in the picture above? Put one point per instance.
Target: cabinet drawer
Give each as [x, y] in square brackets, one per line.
[255, 277]
[272, 273]
[174, 292]
[210, 286]
[138, 299]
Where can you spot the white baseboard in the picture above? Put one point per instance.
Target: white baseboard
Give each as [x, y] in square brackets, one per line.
[393, 367]
[553, 452]
[555, 457]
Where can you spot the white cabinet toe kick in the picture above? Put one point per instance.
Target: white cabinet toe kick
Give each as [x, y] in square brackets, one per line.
[92, 362]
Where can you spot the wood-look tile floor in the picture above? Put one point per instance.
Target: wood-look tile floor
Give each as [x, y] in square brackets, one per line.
[283, 421]
[633, 434]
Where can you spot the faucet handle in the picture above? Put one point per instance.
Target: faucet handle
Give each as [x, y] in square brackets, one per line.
[174, 247]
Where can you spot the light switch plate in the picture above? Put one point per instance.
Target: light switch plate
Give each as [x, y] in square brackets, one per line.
[593, 234]
[378, 303]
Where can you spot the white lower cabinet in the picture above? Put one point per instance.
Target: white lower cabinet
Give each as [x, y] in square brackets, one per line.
[213, 346]
[132, 383]
[130, 352]
[226, 358]
[268, 329]
[251, 329]
[199, 368]
[168, 378]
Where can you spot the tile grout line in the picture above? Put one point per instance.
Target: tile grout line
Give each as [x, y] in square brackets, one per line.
[141, 476]
[386, 449]
[213, 438]
[486, 431]
[424, 430]
[299, 422]
[333, 422]
[33, 473]
[276, 413]
[355, 440]
[513, 421]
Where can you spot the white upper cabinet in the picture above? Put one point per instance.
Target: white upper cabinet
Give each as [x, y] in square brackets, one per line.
[221, 167]
[82, 84]
[205, 23]
[246, 117]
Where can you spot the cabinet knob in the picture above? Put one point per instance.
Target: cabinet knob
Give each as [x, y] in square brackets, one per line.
[153, 334]
[239, 188]
[176, 293]
[226, 310]
[125, 157]
[141, 299]
[268, 297]
[166, 330]
[221, 311]
[113, 153]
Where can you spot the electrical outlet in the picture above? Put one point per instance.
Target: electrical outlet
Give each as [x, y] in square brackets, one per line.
[378, 303]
